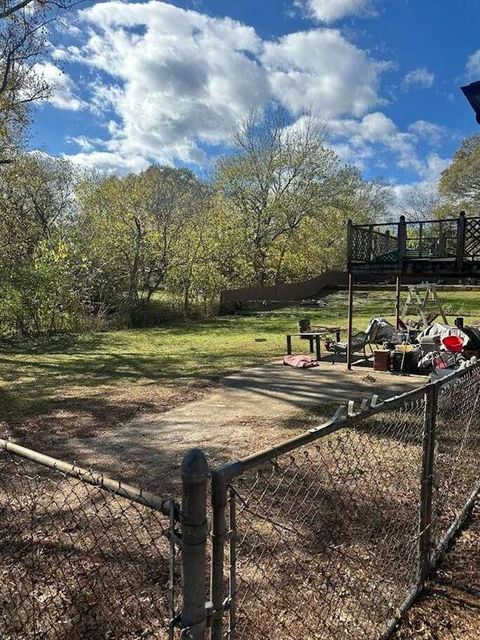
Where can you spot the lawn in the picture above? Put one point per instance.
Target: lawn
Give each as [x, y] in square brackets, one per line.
[76, 385]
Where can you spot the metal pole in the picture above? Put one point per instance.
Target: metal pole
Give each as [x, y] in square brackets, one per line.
[195, 474]
[397, 301]
[88, 476]
[350, 320]
[349, 245]
[233, 567]
[219, 535]
[426, 490]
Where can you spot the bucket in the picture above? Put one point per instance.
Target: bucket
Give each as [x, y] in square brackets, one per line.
[303, 325]
[454, 344]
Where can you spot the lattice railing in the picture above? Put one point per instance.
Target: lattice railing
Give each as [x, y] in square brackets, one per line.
[472, 239]
[368, 244]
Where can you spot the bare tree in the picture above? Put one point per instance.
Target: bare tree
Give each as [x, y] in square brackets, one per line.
[278, 175]
[421, 202]
[282, 174]
[23, 43]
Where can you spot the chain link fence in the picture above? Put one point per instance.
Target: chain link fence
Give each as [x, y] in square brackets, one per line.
[332, 534]
[82, 556]
[329, 535]
[456, 474]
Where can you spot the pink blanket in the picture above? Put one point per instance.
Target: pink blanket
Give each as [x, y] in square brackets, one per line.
[300, 362]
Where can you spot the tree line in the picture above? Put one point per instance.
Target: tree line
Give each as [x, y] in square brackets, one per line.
[79, 249]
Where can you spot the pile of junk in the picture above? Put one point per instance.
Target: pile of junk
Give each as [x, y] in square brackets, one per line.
[435, 350]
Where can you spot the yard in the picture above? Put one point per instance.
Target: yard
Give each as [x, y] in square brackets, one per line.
[80, 385]
[107, 397]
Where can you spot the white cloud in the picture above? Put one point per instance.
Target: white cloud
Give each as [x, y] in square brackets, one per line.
[62, 87]
[322, 71]
[330, 11]
[420, 77]
[172, 80]
[434, 166]
[473, 66]
[108, 162]
[418, 200]
[374, 127]
[432, 133]
[377, 138]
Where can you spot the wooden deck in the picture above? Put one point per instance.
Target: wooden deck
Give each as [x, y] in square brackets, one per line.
[448, 248]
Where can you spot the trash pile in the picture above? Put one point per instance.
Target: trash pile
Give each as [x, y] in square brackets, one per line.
[436, 350]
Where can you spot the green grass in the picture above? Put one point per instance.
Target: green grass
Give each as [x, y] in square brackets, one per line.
[90, 380]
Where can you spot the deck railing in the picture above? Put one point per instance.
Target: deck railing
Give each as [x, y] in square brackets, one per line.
[453, 239]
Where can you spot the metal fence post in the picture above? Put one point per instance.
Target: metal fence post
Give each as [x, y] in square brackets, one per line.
[426, 492]
[194, 543]
[219, 534]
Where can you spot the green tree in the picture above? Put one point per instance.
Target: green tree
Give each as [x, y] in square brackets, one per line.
[174, 197]
[136, 230]
[41, 285]
[460, 181]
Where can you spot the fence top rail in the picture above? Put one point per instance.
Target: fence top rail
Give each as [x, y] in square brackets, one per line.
[343, 417]
[96, 479]
[373, 227]
[438, 221]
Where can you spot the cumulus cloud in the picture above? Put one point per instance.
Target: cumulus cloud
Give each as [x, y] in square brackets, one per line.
[376, 137]
[434, 166]
[432, 133]
[174, 82]
[62, 86]
[420, 77]
[418, 200]
[302, 73]
[330, 11]
[109, 162]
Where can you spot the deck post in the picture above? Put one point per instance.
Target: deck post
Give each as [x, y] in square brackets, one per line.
[461, 227]
[349, 243]
[350, 320]
[402, 242]
[397, 301]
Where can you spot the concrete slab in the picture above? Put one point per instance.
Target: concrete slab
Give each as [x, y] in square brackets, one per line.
[238, 417]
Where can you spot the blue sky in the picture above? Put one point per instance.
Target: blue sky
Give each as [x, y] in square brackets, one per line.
[166, 81]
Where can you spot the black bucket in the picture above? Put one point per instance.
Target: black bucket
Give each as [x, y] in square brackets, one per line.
[303, 325]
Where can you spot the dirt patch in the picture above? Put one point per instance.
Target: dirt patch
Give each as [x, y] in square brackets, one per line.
[81, 416]
[450, 606]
